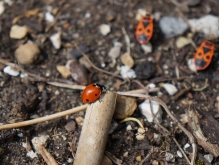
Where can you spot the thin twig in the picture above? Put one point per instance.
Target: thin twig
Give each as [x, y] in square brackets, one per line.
[42, 119]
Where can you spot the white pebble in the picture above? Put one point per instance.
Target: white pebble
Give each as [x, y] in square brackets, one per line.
[170, 88]
[147, 48]
[208, 24]
[114, 52]
[56, 40]
[129, 128]
[151, 85]
[169, 157]
[11, 71]
[179, 154]
[22, 75]
[126, 72]
[187, 145]
[146, 110]
[209, 157]
[191, 65]
[32, 154]
[49, 17]
[104, 29]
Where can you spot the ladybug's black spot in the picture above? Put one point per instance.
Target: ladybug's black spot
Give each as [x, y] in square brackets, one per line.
[96, 94]
[140, 29]
[200, 63]
[145, 24]
[142, 37]
[199, 54]
[206, 50]
[87, 100]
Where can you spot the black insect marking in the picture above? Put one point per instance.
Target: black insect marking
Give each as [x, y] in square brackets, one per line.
[199, 54]
[140, 29]
[148, 31]
[206, 50]
[208, 57]
[94, 85]
[147, 18]
[208, 44]
[200, 62]
[87, 100]
[96, 94]
[145, 24]
[142, 37]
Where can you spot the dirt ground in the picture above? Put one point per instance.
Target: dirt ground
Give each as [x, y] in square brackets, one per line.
[78, 21]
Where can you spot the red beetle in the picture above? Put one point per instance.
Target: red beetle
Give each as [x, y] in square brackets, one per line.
[92, 92]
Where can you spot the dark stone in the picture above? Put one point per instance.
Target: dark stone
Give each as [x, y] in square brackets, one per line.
[75, 53]
[144, 70]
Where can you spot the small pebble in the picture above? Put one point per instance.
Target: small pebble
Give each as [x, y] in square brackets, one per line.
[146, 110]
[32, 154]
[187, 145]
[126, 72]
[145, 70]
[2, 7]
[49, 17]
[170, 88]
[43, 140]
[114, 52]
[207, 24]
[104, 29]
[126, 154]
[141, 131]
[209, 157]
[129, 128]
[27, 53]
[65, 72]
[140, 13]
[56, 40]
[179, 153]
[138, 158]
[182, 41]
[18, 32]
[172, 26]
[191, 65]
[11, 71]
[169, 157]
[75, 53]
[127, 60]
[147, 48]
[70, 126]
[79, 120]
[23, 75]
[106, 161]
[140, 137]
[125, 107]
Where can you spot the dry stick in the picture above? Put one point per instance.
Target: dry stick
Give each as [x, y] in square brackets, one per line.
[190, 136]
[46, 155]
[95, 130]
[42, 119]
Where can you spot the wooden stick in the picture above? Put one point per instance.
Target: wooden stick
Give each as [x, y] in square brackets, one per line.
[42, 119]
[95, 130]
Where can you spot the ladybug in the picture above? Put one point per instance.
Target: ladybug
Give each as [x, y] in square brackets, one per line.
[204, 55]
[92, 92]
[144, 29]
